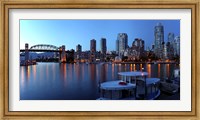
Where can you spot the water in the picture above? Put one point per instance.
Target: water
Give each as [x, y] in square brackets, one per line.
[54, 81]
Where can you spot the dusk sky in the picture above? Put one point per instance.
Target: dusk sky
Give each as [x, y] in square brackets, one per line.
[73, 32]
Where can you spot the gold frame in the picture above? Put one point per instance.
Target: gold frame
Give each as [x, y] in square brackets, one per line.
[150, 4]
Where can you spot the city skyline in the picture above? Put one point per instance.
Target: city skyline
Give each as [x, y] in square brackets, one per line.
[73, 32]
[122, 74]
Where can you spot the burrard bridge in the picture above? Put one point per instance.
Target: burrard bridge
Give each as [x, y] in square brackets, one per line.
[45, 48]
[42, 48]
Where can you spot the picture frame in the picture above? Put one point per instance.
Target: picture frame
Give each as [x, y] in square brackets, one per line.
[100, 4]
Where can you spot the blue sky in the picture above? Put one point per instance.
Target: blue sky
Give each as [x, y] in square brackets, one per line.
[73, 32]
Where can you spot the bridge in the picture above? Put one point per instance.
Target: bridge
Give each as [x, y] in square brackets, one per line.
[45, 48]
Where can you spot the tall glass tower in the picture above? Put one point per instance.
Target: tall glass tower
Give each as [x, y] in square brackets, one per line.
[103, 45]
[117, 46]
[78, 51]
[92, 50]
[171, 44]
[177, 45]
[123, 41]
[78, 48]
[93, 45]
[171, 37]
[159, 40]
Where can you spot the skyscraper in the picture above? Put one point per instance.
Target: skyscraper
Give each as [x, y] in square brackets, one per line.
[103, 46]
[159, 40]
[78, 51]
[170, 46]
[177, 46]
[168, 53]
[123, 41]
[78, 48]
[139, 43]
[92, 50]
[138, 46]
[117, 46]
[93, 45]
[171, 37]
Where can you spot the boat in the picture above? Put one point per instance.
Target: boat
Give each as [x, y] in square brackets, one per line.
[27, 63]
[132, 86]
[115, 90]
[171, 86]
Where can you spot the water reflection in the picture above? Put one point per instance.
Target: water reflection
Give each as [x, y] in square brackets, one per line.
[70, 70]
[134, 69]
[54, 81]
[27, 69]
[22, 76]
[149, 70]
[92, 71]
[163, 72]
[103, 73]
[141, 67]
[53, 69]
[82, 71]
[167, 69]
[78, 71]
[63, 73]
[113, 71]
[158, 70]
[34, 72]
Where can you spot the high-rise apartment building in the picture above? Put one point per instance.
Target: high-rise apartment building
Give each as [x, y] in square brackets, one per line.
[78, 51]
[177, 45]
[171, 37]
[93, 50]
[93, 45]
[123, 41]
[79, 48]
[170, 46]
[117, 46]
[159, 40]
[168, 51]
[138, 45]
[103, 46]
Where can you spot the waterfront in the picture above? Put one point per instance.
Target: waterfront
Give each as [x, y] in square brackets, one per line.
[54, 81]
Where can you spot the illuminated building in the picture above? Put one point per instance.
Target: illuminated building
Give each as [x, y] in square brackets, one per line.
[123, 42]
[159, 40]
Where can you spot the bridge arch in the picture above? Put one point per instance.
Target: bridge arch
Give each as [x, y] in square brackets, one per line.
[44, 47]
